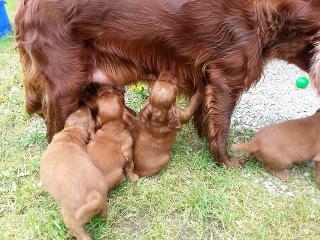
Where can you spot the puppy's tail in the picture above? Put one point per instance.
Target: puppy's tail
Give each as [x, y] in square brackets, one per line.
[95, 204]
[248, 148]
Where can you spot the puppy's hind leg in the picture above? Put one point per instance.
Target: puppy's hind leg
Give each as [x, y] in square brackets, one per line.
[281, 174]
[74, 226]
[248, 148]
[317, 168]
[126, 150]
[103, 210]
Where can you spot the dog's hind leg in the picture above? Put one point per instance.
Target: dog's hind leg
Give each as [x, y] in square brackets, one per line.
[317, 168]
[104, 211]
[126, 150]
[281, 174]
[75, 226]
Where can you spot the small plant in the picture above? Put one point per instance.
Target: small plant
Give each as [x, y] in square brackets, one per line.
[140, 90]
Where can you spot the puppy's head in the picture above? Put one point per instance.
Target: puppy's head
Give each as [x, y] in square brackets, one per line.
[111, 108]
[162, 100]
[163, 95]
[81, 118]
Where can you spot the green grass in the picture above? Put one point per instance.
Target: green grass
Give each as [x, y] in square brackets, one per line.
[191, 199]
[11, 7]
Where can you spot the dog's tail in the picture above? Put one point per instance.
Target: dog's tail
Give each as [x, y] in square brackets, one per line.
[95, 204]
[248, 148]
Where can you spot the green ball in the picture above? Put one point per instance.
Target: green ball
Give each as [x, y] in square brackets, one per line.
[302, 82]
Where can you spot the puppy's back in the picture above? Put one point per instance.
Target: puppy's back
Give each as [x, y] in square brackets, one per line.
[66, 171]
[105, 153]
[293, 140]
[151, 149]
[298, 132]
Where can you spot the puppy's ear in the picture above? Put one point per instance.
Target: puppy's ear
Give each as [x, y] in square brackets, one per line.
[174, 121]
[131, 111]
[92, 104]
[145, 113]
[129, 116]
[91, 130]
[98, 122]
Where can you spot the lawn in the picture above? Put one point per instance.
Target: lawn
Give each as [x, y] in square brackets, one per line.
[192, 199]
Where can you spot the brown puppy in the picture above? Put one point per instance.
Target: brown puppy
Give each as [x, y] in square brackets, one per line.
[70, 176]
[111, 151]
[157, 128]
[280, 146]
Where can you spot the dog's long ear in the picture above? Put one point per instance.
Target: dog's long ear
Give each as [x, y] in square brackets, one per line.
[315, 64]
[91, 130]
[129, 117]
[315, 67]
[174, 121]
[145, 113]
[98, 124]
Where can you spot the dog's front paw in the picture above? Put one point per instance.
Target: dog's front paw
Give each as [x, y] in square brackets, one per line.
[234, 163]
[133, 177]
[104, 213]
[318, 180]
[282, 175]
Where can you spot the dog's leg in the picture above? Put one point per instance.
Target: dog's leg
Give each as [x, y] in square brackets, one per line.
[317, 169]
[281, 174]
[213, 120]
[104, 211]
[126, 150]
[59, 108]
[65, 75]
[75, 226]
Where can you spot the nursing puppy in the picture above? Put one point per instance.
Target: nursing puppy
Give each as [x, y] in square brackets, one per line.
[158, 124]
[70, 176]
[111, 151]
[280, 146]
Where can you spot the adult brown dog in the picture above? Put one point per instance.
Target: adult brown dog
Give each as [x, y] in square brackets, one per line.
[280, 146]
[71, 177]
[160, 120]
[224, 44]
[111, 150]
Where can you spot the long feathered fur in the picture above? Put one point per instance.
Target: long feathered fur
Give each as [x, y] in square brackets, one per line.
[66, 45]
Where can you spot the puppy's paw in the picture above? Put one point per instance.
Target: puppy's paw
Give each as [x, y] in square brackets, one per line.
[92, 137]
[68, 235]
[234, 163]
[318, 180]
[281, 174]
[85, 237]
[104, 213]
[133, 177]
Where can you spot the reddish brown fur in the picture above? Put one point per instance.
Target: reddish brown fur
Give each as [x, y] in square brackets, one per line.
[70, 176]
[111, 151]
[280, 146]
[64, 45]
[156, 130]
